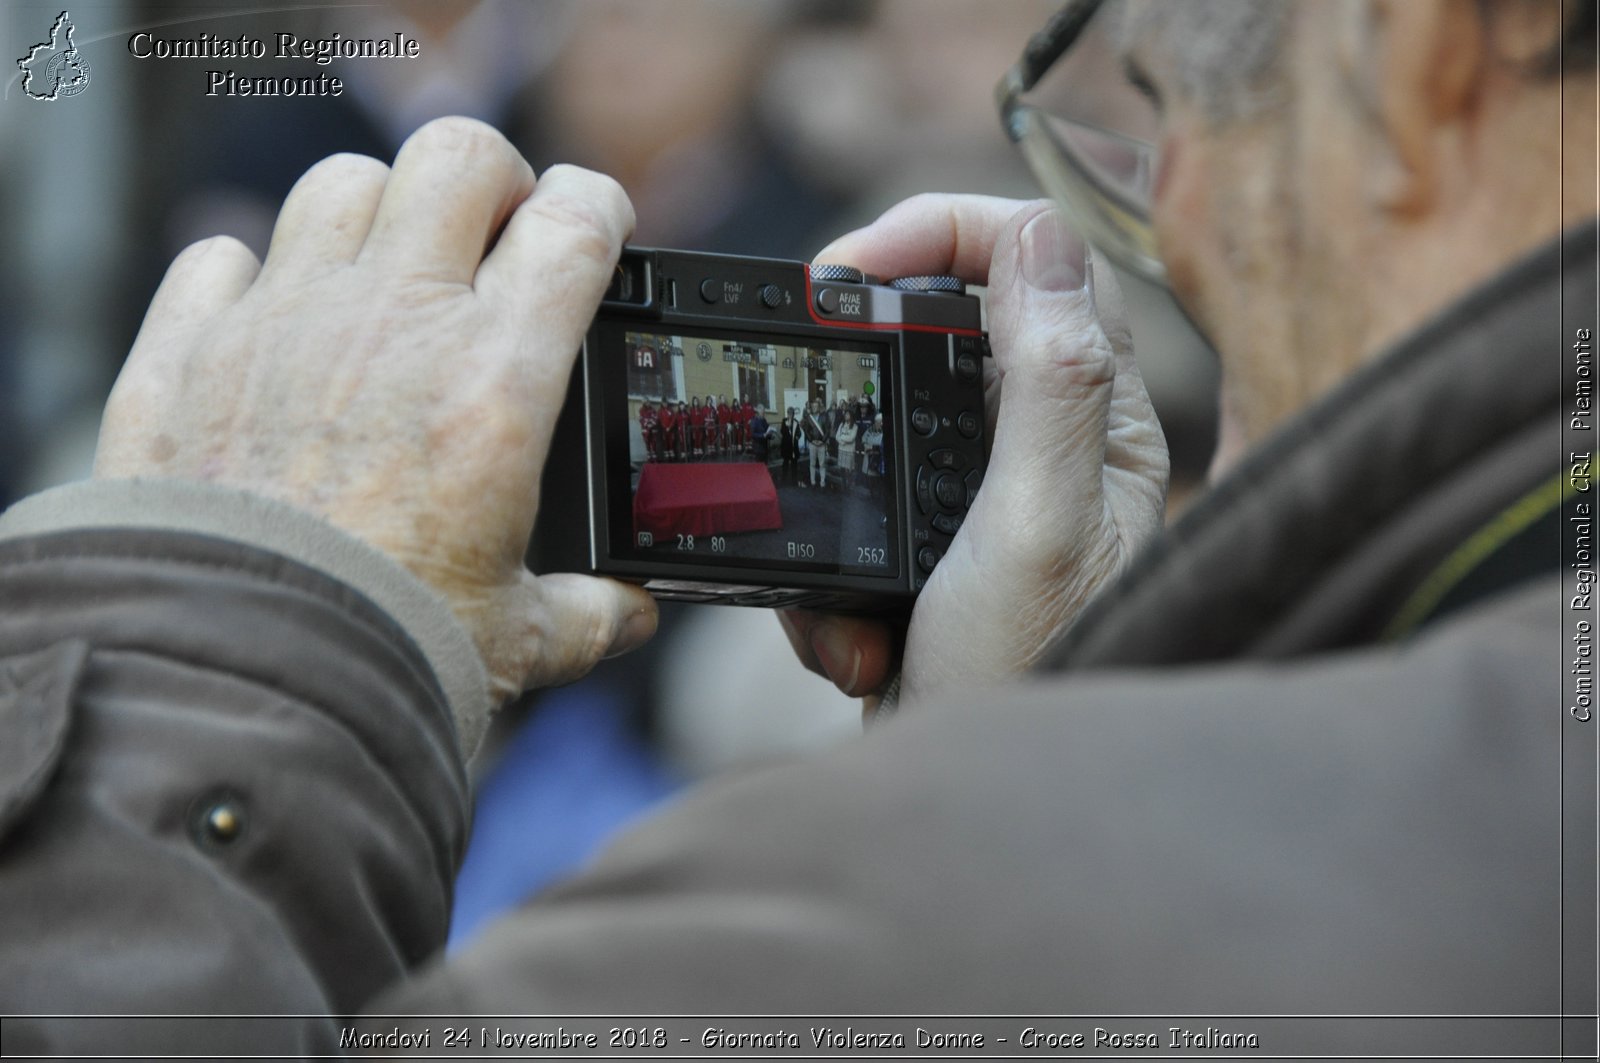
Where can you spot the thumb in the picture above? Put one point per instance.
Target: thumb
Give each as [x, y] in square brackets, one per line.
[1054, 521]
[553, 629]
[1044, 489]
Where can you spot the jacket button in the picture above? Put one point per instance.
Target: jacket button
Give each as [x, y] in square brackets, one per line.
[218, 820]
[223, 823]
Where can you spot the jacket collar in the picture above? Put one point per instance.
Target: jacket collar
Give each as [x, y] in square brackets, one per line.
[1320, 535]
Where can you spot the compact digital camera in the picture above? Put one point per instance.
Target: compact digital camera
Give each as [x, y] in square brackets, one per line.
[766, 433]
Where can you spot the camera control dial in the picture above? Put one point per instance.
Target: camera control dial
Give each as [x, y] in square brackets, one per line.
[929, 284]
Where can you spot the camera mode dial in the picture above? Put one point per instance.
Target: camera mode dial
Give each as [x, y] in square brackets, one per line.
[846, 274]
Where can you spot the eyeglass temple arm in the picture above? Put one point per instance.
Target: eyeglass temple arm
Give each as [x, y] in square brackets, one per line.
[1046, 46]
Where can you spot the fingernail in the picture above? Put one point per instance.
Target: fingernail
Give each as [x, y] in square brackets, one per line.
[1054, 258]
[634, 632]
[838, 655]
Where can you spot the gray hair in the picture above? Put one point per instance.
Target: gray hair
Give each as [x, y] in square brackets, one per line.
[1226, 53]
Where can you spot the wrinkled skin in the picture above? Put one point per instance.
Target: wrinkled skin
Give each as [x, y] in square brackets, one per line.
[396, 366]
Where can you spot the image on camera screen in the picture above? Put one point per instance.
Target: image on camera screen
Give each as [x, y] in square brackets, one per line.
[743, 449]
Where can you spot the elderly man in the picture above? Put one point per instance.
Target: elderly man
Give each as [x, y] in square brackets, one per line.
[1304, 755]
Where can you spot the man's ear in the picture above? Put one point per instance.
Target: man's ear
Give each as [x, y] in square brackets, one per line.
[1417, 66]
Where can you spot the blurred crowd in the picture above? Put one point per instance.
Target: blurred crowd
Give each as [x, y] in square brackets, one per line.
[761, 127]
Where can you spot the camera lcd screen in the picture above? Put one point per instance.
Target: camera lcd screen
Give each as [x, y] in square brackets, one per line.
[755, 452]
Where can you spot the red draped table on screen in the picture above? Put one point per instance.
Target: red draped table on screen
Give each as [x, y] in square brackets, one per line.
[705, 499]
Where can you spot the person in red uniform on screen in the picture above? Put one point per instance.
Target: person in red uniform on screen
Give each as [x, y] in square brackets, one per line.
[746, 413]
[728, 413]
[724, 423]
[685, 426]
[713, 424]
[669, 431]
[649, 428]
[697, 427]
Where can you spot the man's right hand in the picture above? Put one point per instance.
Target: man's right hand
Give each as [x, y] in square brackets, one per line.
[1077, 476]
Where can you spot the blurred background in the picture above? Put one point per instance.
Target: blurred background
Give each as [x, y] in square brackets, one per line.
[763, 127]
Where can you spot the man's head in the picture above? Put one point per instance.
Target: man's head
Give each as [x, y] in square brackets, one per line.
[1333, 172]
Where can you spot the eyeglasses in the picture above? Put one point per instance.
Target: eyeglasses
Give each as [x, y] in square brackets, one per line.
[1078, 124]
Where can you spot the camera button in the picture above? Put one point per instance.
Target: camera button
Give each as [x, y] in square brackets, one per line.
[948, 491]
[968, 368]
[927, 557]
[949, 523]
[828, 301]
[974, 480]
[944, 459]
[711, 290]
[924, 421]
[773, 296]
[969, 425]
[924, 489]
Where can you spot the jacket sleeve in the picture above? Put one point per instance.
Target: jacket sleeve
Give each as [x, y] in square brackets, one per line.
[229, 784]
